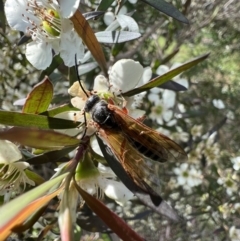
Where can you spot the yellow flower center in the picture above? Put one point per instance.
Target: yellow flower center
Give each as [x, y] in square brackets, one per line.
[51, 22]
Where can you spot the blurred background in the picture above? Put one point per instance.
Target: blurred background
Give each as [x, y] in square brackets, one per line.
[204, 118]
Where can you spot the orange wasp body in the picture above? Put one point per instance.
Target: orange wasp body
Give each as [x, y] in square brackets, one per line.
[138, 148]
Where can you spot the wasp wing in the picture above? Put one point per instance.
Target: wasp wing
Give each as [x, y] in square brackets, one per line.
[149, 142]
[141, 169]
[132, 180]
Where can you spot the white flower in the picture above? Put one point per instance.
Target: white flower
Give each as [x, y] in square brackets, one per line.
[99, 180]
[104, 180]
[218, 103]
[180, 135]
[211, 149]
[227, 179]
[188, 176]
[164, 100]
[234, 233]
[48, 24]
[121, 19]
[125, 75]
[196, 131]
[13, 178]
[162, 110]
[236, 163]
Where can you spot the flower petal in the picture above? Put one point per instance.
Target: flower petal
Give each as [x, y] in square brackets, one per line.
[70, 38]
[125, 75]
[78, 102]
[76, 90]
[162, 69]
[169, 98]
[100, 83]
[14, 10]
[167, 115]
[39, 54]
[68, 8]
[9, 152]
[147, 74]
[95, 146]
[127, 22]
[117, 191]
[108, 18]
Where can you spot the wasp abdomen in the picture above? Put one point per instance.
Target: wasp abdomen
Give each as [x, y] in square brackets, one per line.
[147, 152]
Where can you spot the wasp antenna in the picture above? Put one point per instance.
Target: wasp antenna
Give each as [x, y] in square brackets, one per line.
[78, 77]
[80, 83]
[85, 121]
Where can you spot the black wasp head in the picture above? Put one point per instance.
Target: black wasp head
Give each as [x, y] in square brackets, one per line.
[100, 112]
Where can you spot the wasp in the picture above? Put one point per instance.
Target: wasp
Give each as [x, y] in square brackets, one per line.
[135, 148]
[139, 149]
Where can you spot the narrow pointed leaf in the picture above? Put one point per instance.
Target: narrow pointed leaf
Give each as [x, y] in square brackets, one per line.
[167, 58]
[168, 9]
[39, 99]
[32, 120]
[51, 156]
[59, 109]
[42, 139]
[95, 14]
[2, 17]
[18, 210]
[159, 80]
[65, 218]
[110, 218]
[171, 85]
[116, 36]
[104, 5]
[24, 39]
[163, 209]
[84, 30]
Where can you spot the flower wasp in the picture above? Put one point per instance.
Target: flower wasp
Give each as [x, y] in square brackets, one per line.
[133, 148]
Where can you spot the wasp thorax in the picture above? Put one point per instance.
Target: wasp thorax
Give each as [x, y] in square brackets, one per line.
[100, 112]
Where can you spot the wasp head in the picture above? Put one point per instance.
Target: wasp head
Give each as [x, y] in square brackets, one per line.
[100, 112]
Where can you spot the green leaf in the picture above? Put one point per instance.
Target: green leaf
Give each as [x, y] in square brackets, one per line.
[104, 5]
[2, 17]
[18, 210]
[32, 120]
[42, 139]
[39, 99]
[116, 36]
[59, 109]
[159, 80]
[110, 218]
[168, 9]
[50, 156]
